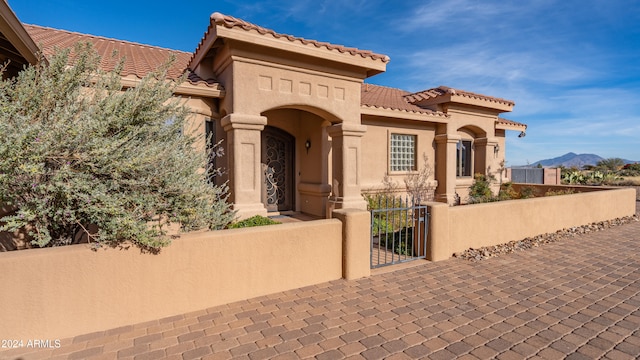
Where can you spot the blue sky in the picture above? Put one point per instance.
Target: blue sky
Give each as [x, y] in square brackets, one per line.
[572, 67]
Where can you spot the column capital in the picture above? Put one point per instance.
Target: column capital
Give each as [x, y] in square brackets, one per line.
[486, 141]
[243, 121]
[346, 129]
[447, 138]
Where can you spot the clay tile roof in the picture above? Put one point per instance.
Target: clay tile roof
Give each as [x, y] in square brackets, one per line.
[444, 90]
[391, 98]
[140, 59]
[232, 22]
[510, 122]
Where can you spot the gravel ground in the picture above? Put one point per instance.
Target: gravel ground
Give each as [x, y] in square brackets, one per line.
[528, 243]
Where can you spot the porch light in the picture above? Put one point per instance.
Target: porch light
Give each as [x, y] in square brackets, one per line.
[496, 149]
[307, 145]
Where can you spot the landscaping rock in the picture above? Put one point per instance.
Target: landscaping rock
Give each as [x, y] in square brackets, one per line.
[531, 242]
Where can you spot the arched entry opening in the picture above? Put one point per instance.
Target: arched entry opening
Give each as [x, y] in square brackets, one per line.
[295, 161]
[278, 166]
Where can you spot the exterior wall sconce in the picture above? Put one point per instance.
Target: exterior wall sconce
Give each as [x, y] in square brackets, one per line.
[496, 149]
[307, 145]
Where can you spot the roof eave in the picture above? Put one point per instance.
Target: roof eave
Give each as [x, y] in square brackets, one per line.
[499, 106]
[13, 30]
[435, 117]
[515, 127]
[185, 88]
[371, 65]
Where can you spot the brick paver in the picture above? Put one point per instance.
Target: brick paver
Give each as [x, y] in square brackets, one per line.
[577, 299]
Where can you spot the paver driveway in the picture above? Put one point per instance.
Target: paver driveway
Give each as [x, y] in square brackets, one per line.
[578, 298]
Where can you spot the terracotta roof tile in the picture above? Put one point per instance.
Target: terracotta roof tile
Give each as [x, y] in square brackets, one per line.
[232, 22]
[140, 59]
[444, 90]
[391, 98]
[509, 122]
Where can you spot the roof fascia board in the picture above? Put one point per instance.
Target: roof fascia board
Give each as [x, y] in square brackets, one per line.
[13, 30]
[371, 66]
[243, 56]
[182, 89]
[452, 99]
[402, 115]
[202, 51]
[503, 126]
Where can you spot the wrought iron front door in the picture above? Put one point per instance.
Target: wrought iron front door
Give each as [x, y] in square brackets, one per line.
[277, 169]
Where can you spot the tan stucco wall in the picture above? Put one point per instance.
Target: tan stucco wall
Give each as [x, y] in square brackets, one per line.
[376, 149]
[471, 226]
[356, 231]
[66, 291]
[259, 87]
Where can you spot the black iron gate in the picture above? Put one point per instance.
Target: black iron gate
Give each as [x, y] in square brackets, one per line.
[398, 230]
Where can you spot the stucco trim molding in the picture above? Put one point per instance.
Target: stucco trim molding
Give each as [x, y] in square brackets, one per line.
[434, 117]
[182, 89]
[447, 139]
[243, 121]
[347, 129]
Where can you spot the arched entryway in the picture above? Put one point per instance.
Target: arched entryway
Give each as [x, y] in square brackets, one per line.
[278, 165]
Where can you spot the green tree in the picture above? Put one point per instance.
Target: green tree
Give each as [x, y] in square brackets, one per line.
[79, 151]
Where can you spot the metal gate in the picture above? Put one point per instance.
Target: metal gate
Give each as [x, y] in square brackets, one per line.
[398, 230]
[277, 166]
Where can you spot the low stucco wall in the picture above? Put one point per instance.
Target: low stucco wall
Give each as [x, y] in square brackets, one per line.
[60, 292]
[455, 229]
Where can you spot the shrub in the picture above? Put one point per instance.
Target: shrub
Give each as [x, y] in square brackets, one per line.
[400, 241]
[559, 192]
[527, 192]
[632, 167]
[480, 190]
[253, 221]
[629, 172]
[391, 219]
[507, 192]
[77, 151]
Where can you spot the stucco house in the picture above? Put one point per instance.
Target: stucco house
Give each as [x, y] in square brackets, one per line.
[302, 131]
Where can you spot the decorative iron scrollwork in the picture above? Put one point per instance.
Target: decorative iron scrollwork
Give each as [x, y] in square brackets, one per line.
[275, 170]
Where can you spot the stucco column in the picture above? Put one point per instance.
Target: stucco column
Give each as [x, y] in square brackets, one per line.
[488, 162]
[243, 149]
[356, 242]
[346, 167]
[446, 167]
[438, 244]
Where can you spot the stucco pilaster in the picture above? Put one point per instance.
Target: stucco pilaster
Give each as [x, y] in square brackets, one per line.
[486, 156]
[243, 149]
[346, 166]
[446, 167]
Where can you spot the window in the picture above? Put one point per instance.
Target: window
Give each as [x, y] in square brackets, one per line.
[463, 158]
[402, 152]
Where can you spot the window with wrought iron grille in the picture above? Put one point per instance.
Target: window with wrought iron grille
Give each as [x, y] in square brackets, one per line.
[402, 152]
